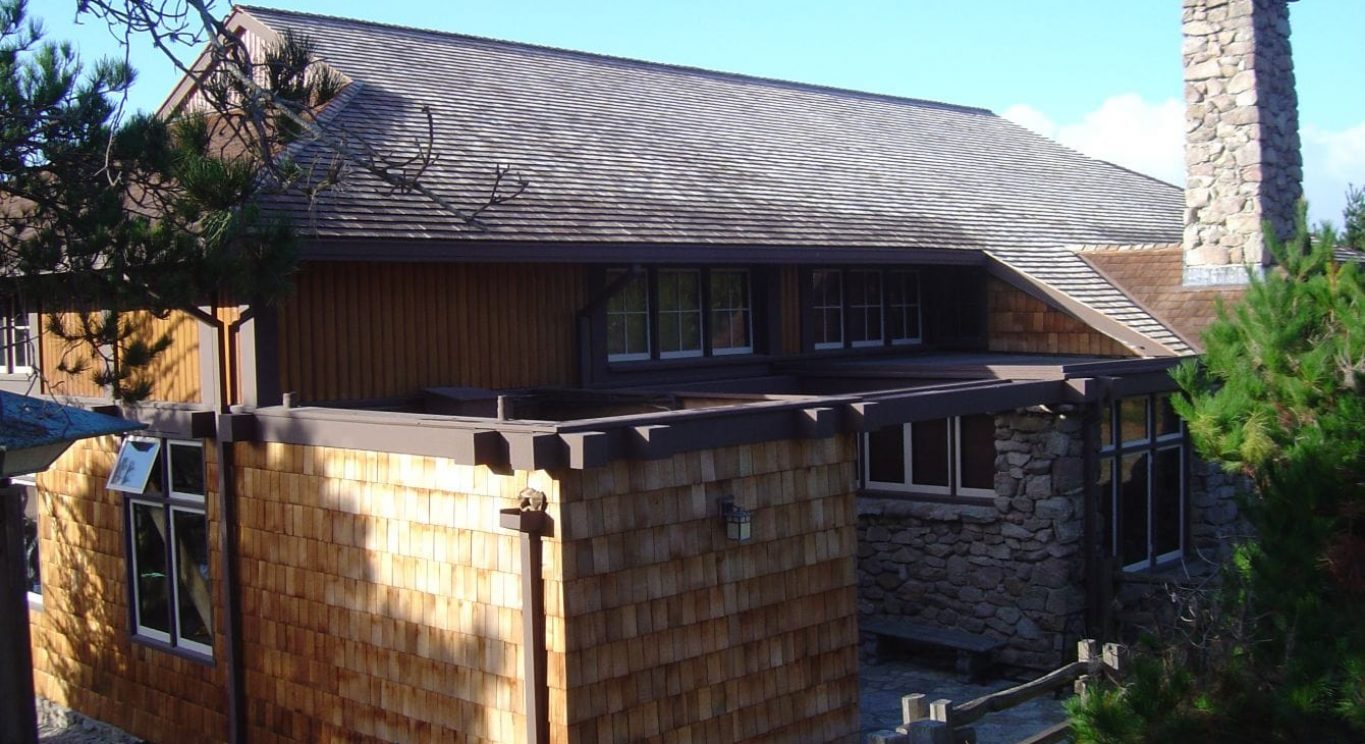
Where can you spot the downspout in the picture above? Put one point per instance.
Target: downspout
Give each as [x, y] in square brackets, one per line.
[532, 522]
[227, 523]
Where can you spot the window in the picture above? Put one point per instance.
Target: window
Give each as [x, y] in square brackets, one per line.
[167, 541]
[15, 338]
[679, 314]
[951, 457]
[859, 308]
[1142, 481]
[671, 313]
[628, 319]
[33, 578]
[731, 318]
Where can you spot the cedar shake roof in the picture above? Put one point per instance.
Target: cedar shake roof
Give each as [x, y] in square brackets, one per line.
[1152, 276]
[620, 151]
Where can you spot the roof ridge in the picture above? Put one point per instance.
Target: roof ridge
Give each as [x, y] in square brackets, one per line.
[738, 76]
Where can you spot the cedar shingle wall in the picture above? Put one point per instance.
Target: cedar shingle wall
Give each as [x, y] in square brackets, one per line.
[378, 607]
[175, 373]
[1020, 323]
[356, 330]
[82, 654]
[674, 631]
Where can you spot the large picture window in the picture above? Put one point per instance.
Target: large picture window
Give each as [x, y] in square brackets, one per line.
[859, 308]
[1142, 481]
[15, 338]
[675, 313]
[167, 540]
[948, 457]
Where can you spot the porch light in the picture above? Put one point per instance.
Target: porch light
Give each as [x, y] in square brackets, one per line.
[739, 522]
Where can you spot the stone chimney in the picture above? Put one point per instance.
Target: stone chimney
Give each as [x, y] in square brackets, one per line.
[1243, 165]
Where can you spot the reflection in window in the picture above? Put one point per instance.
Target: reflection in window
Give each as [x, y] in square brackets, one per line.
[628, 319]
[828, 309]
[865, 308]
[33, 578]
[731, 325]
[941, 456]
[1142, 481]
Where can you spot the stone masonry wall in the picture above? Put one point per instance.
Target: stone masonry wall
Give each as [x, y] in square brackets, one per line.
[1242, 134]
[1008, 567]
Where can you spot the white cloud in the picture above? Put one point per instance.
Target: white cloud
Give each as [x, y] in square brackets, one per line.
[1125, 129]
[1331, 161]
[1149, 138]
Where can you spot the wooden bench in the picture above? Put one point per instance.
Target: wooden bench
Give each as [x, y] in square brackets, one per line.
[975, 653]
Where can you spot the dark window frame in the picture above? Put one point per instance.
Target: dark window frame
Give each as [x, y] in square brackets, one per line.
[1119, 444]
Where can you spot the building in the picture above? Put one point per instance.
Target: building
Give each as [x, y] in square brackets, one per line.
[918, 347]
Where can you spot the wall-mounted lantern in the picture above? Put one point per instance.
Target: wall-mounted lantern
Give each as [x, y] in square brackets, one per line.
[739, 522]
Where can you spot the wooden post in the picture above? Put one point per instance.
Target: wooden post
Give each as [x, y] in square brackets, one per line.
[942, 710]
[18, 717]
[1115, 660]
[914, 707]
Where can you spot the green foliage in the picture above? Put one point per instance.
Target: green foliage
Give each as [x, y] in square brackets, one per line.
[1354, 217]
[99, 218]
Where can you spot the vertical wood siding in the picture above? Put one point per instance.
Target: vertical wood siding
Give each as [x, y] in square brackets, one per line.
[1018, 322]
[174, 374]
[357, 330]
[83, 657]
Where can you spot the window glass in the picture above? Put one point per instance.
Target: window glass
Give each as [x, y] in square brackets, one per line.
[150, 570]
[194, 614]
[679, 313]
[865, 308]
[886, 455]
[1132, 507]
[1167, 421]
[731, 328]
[828, 309]
[187, 469]
[33, 580]
[628, 318]
[137, 458]
[976, 458]
[1133, 419]
[929, 464]
[14, 337]
[1167, 504]
[902, 304]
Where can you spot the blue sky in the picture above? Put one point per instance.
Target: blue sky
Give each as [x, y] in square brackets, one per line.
[1103, 76]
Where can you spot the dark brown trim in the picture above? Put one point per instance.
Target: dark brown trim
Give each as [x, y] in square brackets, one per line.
[926, 404]
[579, 252]
[258, 345]
[531, 525]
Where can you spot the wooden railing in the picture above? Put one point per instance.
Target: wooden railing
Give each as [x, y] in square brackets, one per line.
[942, 722]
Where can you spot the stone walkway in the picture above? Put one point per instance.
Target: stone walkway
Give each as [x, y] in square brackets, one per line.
[882, 684]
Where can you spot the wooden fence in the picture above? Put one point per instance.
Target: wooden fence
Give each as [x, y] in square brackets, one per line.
[943, 722]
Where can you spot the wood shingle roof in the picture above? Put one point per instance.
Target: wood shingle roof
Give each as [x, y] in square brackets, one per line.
[619, 151]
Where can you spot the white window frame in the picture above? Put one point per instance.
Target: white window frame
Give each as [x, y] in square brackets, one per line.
[168, 502]
[954, 487]
[861, 310]
[11, 341]
[676, 316]
[902, 308]
[819, 309]
[629, 355]
[747, 309]
[134, 465]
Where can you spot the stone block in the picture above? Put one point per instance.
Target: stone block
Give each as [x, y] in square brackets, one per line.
[1054, 508]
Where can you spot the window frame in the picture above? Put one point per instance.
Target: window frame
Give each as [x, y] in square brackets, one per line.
[157, 493]
[29, 487]
[1114, 451]
[13, 319]
[707, 313]
[646, 311]
[678, 314]
[816, 308]
[954, 490]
